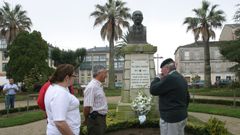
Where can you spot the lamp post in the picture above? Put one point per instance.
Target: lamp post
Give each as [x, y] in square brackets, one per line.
[158, 57]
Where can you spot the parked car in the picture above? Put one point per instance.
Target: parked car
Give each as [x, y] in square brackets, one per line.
[223, 82]
[198, 84]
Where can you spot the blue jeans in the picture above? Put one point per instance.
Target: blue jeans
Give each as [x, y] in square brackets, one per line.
[9, 101]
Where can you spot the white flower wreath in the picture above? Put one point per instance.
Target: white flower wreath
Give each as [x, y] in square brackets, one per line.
[142, 105]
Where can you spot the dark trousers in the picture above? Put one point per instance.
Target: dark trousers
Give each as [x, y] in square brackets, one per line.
[9, 101]
[96, 126]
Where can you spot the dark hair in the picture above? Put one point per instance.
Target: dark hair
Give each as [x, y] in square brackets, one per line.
[61, 72]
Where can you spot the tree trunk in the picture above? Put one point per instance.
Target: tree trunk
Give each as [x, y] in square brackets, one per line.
[207, 66]
[111, 73]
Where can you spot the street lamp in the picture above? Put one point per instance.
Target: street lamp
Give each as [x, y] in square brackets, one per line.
[158, 57]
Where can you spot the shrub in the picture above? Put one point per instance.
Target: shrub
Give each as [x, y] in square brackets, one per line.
[216, 127]
[19, 109]
[215, 101]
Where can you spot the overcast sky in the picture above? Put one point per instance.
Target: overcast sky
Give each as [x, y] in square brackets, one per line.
[67, 24]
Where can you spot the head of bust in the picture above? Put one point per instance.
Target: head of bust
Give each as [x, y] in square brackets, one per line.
[137, 17]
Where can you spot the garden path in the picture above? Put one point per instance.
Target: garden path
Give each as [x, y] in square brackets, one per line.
[39, 127]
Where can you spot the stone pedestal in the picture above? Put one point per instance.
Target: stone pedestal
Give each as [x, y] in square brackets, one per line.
[139, 71]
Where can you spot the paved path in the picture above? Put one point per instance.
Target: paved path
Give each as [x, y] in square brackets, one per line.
[34, 102]
[232, 124]
[34, 128]
[215, 98]
[38, 128]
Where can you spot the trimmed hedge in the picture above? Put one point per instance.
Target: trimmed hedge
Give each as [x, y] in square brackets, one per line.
[23, 109]
[214, 101]
[190, 128]
[19, 109]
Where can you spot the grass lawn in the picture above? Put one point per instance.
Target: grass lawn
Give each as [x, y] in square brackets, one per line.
[215, 109]
[27, 117]
[221, 92]
[21, 118]
[18, 97]
[110, 93]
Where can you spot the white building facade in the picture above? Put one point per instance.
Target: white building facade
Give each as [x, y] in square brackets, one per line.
[190, 62]
[100, 56]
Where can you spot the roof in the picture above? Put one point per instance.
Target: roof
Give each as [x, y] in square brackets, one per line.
[200, 44]
[99, 49]
[233, 26]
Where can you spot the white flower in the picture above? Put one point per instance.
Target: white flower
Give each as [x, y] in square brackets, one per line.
[141, 104]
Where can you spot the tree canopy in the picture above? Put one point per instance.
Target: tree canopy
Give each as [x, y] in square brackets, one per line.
[113, 16]
[13, 21]
[26, 52]
[205, 20]
[231, 51]
[68, 57]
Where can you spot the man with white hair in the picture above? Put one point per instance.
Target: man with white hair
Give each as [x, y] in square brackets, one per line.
[172, 90]
[95, 102]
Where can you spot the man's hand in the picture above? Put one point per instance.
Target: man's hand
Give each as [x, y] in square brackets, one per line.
[86, 112]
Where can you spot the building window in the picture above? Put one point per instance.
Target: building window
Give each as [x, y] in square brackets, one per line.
[102, 58]
[186, 56]
[88, 73]
[217, 55]
[228, 77]
[82, 80]
[197, 55]
[3, 43]
[218, 67]
[4, 67]
[95, 58]
[187, 68]
[218, 78]
[88, 58]
[115, 65]
[88, 79]
[82, 73]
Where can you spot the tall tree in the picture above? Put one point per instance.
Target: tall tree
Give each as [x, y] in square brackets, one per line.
[236, 16]
[68, 57]
[26, 52]
[114, 15]
[120, 45]
[231, 51]
[13, 21]
[80, 54]
[206, 19]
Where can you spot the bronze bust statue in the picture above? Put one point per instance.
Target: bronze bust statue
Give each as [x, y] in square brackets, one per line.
[137, 32]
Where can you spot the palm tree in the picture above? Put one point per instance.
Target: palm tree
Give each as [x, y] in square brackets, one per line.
[114, 15]
[205, 20]
[13, 21]
[236, 16]
[120, 45]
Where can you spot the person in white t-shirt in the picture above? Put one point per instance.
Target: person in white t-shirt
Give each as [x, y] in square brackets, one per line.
[95, 103]
[62, 107]
[10, 90]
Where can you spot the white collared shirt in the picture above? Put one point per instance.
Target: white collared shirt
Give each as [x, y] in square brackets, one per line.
[95, 98]
[61, 106]
[10, 89]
